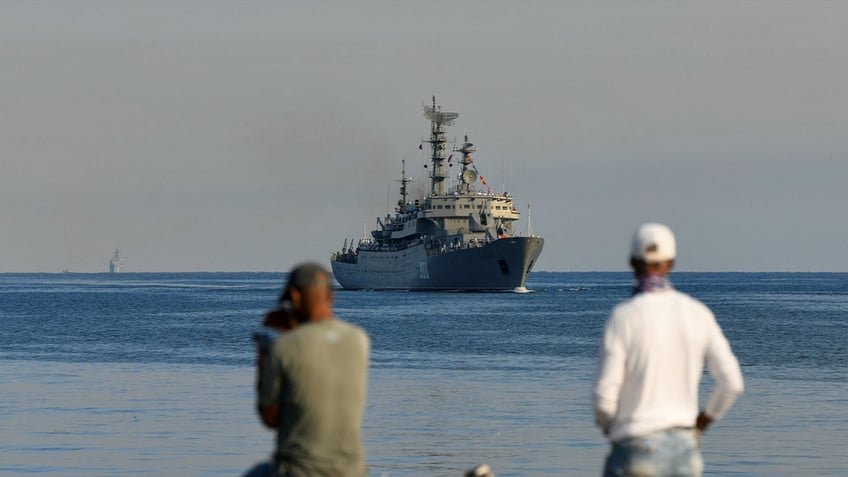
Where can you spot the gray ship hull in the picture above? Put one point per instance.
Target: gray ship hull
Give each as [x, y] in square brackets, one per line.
[499, 265]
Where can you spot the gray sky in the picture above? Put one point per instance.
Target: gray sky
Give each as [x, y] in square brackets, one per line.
[247, 136]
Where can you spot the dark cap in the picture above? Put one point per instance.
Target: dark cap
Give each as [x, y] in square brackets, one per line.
[302, 276]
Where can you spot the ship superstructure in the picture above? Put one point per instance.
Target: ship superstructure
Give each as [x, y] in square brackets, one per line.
[116, 262]
[455, 237]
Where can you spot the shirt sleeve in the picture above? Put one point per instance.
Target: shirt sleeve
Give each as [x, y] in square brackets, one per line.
[610, 377]
[724, 368]
[268, 393]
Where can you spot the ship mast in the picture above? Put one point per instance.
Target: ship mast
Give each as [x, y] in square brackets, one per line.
[467, 176]
[438, 119]
[403, 182]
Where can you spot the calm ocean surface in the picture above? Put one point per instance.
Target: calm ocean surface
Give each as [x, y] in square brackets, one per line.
[152, 374]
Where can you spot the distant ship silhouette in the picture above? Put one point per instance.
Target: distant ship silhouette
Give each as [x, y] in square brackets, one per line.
[116, 262]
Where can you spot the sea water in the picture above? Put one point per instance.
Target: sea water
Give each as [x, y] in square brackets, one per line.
[152, 374]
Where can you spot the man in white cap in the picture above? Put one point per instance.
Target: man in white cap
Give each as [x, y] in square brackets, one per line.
[652, 357]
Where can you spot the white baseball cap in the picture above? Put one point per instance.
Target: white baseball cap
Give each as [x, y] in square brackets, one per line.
[653, 243]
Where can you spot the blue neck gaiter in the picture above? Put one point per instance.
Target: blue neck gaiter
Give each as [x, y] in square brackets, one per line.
[651, 283]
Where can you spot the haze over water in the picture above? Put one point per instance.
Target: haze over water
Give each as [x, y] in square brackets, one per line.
[196, 136]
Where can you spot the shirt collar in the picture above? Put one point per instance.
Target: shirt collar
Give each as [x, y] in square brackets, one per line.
[651, 283]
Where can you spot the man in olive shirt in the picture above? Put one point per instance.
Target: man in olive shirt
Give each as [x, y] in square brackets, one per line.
[311, 384]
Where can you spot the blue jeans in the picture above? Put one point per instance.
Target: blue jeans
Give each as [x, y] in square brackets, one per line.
[668, 453]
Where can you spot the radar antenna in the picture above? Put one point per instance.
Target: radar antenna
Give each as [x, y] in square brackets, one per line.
[439, 117]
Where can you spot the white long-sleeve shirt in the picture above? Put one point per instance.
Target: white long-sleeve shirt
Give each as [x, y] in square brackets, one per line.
[652, 357]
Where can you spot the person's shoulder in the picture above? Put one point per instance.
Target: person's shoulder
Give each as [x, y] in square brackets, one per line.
[685, 297]
[626, 308]
[694, 306]
[636, 302]
[623, 306]
[350, 327]
[625, 302]
[302, 333]
[307, 333]
[283, 343]
[650, 299]
[352, 333]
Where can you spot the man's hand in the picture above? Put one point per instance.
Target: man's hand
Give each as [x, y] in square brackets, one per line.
[702, 422]
[603, 420]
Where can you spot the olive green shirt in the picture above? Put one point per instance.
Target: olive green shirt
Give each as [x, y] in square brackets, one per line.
[317, 375]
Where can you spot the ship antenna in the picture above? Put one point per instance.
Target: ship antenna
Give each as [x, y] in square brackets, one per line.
[467, 175]
[529, 225]
[438, 119]
[503, 179]
[404, 193]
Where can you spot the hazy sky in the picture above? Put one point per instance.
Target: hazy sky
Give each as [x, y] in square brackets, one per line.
[247, 136]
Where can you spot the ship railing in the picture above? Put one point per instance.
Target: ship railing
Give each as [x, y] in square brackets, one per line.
[344, 257]
[397, 222]
[389, 247]
[520, 234]
[439, 247]
[456, 190]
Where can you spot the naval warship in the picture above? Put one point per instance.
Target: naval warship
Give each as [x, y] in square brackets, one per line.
[454, 238]
[116, 262]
